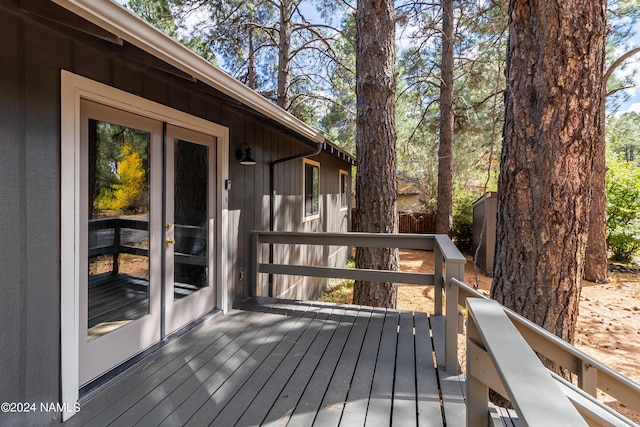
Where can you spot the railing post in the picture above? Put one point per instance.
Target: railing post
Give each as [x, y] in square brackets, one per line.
[437, 280]
[588, 378]
[454, 269]
[253, 274]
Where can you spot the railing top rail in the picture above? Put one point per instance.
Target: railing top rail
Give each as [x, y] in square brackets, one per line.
[399, 236]
[536, 397]
[113, 222]
[406, 241]
[604, 371]
[449, 250]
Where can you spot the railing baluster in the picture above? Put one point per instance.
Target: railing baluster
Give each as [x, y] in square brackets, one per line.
[451, 319]
[588, 378]
[116, 243]
[438, 288]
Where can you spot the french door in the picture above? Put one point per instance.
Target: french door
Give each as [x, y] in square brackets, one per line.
[189, 229]
[147, 215]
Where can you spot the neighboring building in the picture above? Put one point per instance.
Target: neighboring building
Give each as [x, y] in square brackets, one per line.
[126, 213]
[410, 195]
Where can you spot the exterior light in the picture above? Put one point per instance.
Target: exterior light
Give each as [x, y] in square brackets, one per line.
[244, 155]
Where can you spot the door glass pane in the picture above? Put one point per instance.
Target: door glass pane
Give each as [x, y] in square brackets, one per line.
[191, 201]
[118, 208]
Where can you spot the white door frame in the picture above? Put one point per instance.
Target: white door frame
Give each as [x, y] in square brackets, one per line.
[74, 88]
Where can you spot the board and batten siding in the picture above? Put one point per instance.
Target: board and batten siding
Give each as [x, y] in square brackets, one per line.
[289, 209]
[33, 51]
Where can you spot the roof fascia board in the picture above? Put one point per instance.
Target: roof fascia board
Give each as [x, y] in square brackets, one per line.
[127, 26]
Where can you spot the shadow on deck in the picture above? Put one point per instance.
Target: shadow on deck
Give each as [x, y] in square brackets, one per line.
[275, 362]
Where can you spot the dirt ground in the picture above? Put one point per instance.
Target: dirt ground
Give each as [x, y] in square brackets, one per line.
[608, 326]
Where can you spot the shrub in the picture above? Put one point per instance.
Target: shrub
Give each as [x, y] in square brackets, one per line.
[462, 229]
[623, 209]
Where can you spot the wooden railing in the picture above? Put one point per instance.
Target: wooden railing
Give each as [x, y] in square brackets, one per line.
[448, 263]
[592, 375]
[498, 357]
[116, 247]
[444, 250]
[483, 343]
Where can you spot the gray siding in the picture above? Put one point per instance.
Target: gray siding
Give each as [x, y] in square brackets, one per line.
[33, 50]
[30, 252]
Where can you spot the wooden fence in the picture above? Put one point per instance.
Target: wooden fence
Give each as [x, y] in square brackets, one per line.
[410, 222]
[416, 223]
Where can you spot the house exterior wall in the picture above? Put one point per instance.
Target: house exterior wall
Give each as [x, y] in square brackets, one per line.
[289, 208]
[33, 51]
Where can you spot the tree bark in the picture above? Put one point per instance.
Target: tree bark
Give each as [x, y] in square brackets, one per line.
[376, 183]
[596, 266]
[284, 55]
[553, 101]
[444, 218]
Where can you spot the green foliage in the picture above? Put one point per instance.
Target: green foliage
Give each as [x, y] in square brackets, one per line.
[165, 15]
[462, 230]
[480, 42]
[623, 208]
[340, 291]
[623, 136]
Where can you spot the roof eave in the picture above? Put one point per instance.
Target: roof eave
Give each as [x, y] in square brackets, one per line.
[127, 26]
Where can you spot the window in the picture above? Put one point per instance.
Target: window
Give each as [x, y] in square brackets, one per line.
[344, 189]
[311, 184]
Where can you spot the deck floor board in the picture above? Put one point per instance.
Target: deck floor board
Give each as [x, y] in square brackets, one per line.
[150, 386]
[355, 409]
[405, 406]
[332, 407]
[380, 402]
[276, 362]
[451, 384]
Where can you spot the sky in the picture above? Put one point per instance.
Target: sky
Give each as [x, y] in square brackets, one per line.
[632, 64]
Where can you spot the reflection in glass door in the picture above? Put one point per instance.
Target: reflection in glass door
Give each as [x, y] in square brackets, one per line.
[190, 207]
[118, 222]
[191, 213]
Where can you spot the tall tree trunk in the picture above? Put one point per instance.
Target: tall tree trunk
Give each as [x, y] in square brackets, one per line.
[251, 67]
[596, 264]
[376, 183]
[444, 217]
[555, 61]
[596, 267]
[284, 55]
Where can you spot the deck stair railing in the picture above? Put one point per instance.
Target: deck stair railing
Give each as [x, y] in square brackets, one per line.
[487, 321]
[591, 374]
[498, 357]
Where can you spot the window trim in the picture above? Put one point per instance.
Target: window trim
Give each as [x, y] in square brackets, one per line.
[315, 215]
[344, 175]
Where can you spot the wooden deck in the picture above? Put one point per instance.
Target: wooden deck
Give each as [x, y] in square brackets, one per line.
[275, 362]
